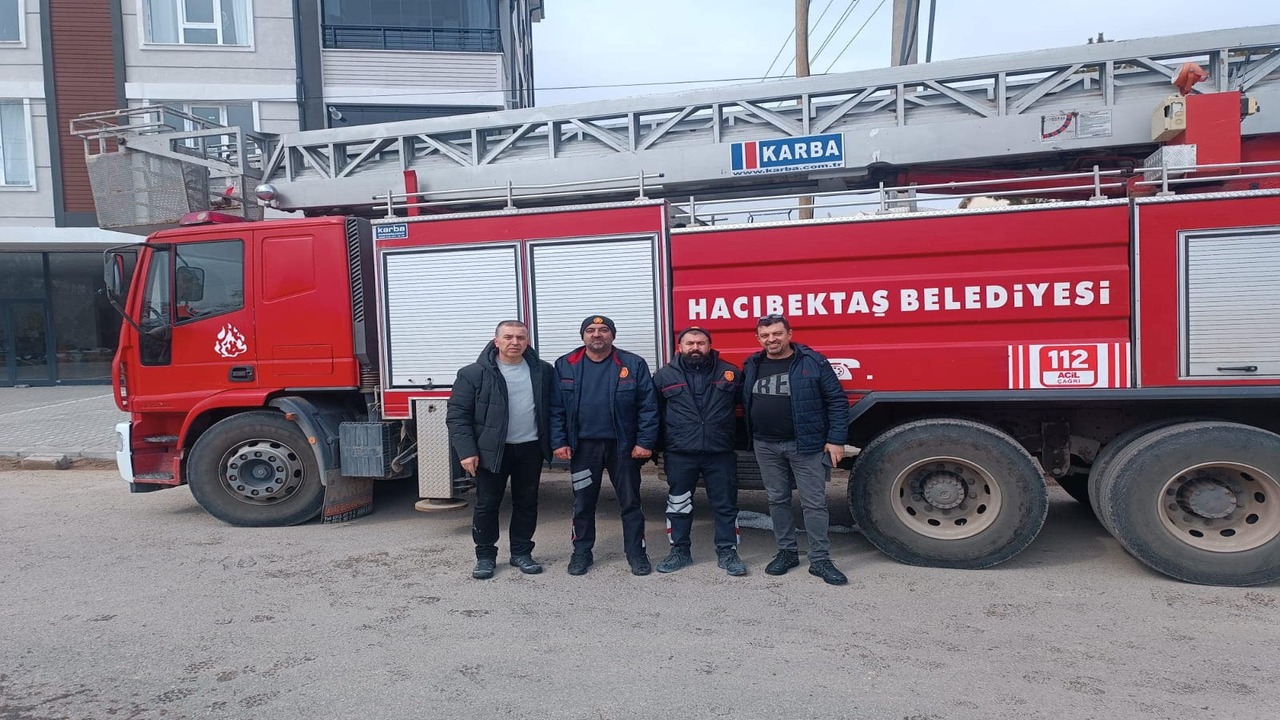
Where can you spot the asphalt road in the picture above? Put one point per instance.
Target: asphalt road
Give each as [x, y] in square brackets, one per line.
[142, 607]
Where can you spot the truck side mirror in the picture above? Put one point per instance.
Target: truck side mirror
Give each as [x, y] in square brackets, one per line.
[190, 284]
[113, 275]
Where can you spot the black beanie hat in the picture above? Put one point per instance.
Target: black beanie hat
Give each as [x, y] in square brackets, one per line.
[693, 328]
[598, 320]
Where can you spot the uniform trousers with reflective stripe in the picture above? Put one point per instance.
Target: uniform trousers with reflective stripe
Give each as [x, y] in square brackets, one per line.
[719, 473]
[590, 460]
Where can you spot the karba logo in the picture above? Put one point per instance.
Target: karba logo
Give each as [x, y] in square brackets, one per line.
[230, 342]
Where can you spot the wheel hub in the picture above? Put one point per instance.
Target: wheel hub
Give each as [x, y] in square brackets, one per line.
[943, 490]
[261, 471]
[946, 497]
[1207, 499]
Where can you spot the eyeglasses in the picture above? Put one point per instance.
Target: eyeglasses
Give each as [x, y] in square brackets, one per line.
[771, 319]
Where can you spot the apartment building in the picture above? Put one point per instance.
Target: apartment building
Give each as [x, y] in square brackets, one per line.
[270, 65]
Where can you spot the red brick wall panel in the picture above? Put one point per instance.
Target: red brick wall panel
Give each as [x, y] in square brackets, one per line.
[83, 81]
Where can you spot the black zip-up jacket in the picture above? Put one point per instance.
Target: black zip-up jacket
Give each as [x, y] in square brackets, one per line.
[687, 427]
[477, 414]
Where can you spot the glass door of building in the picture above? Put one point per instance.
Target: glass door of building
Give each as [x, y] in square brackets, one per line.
[24, 343]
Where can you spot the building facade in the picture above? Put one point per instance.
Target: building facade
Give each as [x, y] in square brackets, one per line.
[275, 66]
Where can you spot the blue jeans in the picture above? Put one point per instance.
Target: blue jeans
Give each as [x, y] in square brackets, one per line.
[779, 465]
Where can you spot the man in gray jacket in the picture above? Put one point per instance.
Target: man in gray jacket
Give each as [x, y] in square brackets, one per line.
[499, 424]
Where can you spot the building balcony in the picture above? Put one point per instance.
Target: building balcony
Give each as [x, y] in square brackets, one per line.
[430, 39]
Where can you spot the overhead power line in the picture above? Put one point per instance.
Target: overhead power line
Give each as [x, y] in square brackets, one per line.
[839, 24]
[855, 36]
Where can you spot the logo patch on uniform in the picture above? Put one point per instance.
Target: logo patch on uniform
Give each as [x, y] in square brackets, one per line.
[728, 375]
[625, 372]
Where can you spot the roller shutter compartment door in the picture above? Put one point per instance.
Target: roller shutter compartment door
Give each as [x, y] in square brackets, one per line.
[1231, 311]
[442, 307]
[617, 278]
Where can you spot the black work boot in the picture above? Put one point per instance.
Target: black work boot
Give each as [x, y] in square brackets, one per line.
[729, 561]
[527, 564]
[484, 568]
[579, 563]
[782, 562]
[640, 564]
[679, 558]
[828, 572]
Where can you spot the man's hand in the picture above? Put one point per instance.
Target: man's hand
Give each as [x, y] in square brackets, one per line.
[836, 452]
[640, 453]
[471, 464]
[563, 453]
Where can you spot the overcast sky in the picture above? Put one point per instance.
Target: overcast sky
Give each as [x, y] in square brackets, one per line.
[612, 43]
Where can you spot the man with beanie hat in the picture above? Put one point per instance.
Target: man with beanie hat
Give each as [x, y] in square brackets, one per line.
[698, 393]
[607, 420]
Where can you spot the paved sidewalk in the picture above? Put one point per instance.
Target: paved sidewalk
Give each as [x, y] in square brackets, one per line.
[73, 420]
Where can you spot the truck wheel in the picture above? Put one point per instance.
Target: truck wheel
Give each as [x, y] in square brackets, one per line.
[255, 470]
[948, 493]
[1200, 502]
[1098, 472]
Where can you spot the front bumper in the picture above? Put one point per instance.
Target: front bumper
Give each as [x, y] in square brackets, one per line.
[124, 451]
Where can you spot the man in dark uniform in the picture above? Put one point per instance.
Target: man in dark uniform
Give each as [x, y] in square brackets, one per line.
[697, 395]
[799, 419]
[499, 421]
[607, 420]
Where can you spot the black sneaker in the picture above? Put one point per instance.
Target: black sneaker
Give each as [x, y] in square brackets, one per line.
[527, 564]
[484, 568]
[729, 561]
[679, 558]
[640, 565]
[828, 572]
[579, 563]
[782, 562]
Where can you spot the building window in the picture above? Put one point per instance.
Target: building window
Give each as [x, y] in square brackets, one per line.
[229, 114]
[11, 21]
[197, 22]
[425, 25]
[344, 115]
[16, 168]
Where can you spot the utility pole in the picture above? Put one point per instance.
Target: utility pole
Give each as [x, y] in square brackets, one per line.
[802, 70]
[906, 32]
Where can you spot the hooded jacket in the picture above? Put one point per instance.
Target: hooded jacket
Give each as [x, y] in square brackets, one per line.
[687, 427]
[819, 407]
[477, 414]
[632, 399]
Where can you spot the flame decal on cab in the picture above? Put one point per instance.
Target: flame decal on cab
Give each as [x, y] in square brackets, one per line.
[230, 342]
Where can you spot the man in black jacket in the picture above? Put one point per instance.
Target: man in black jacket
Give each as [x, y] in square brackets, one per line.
[607, 420]
[799, 419]
[499, 422]
[697, 394]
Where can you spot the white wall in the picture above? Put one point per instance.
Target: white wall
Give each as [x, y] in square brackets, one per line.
[22, 78]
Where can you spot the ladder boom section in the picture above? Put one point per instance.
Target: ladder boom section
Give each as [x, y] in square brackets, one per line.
[1034, 109]
[972, 110]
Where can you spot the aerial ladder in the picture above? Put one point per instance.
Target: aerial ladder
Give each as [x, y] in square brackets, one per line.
[1106, 105]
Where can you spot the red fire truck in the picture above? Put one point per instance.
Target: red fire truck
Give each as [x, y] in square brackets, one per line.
[1119, 335]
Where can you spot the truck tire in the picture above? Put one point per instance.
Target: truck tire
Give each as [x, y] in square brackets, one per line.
[255, 469]
[948, 493]
[1200, 502]
[1102, 463]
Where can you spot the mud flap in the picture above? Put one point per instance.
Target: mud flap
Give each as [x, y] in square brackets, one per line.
[346, 498]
